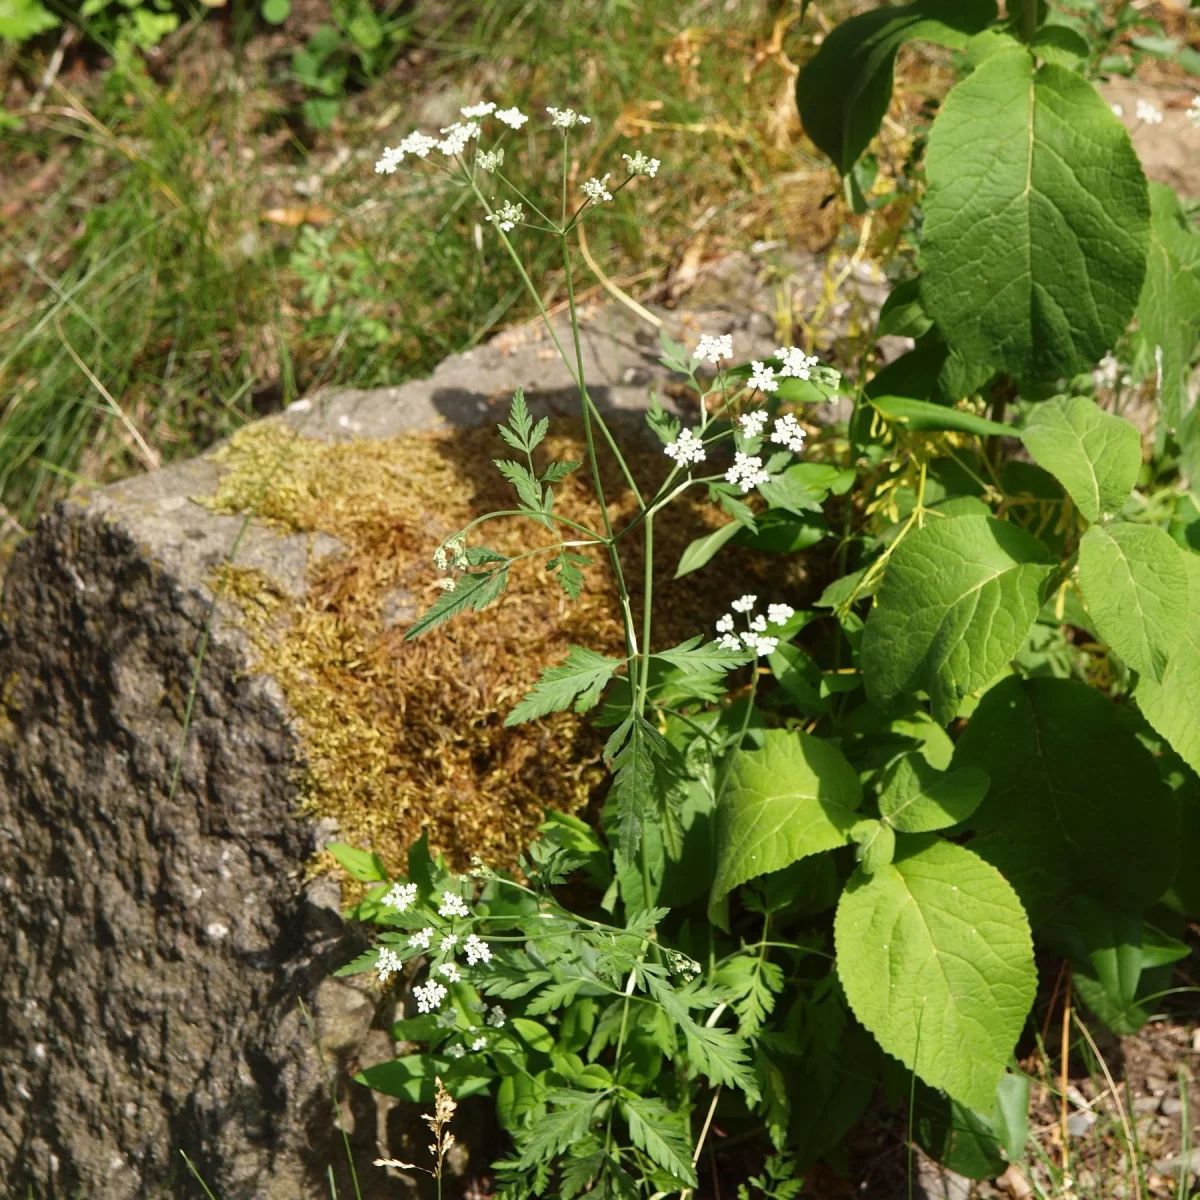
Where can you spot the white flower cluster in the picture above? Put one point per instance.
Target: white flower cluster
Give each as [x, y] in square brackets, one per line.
[449, 970]
[686, 448]
[490, 160]
[747, 472]
[477, 111]
[1148, 113]
[762, 377]
[496, 1017]
[477, 951]
[457, 136]
[454, 552]
[453, 906]
[787, 432]
[401, 897]
[596, 190]
[681, 964]
[713, 348]
[514, 118]
[639, 164]
[388, 963]
[567, 118]
[753, 423]
[1193, 112]
[420, 941]
[429, 996]
[796, 364]
[507, 216]
[753, 638]
[454, 140]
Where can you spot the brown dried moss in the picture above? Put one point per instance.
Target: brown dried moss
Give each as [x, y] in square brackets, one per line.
[404, 737]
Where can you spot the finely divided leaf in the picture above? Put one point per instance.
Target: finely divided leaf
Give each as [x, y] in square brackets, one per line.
[1093, 454]
[915, 797]
[1134, 579]
[558, 1129]
[576, 682]
[844, 90]
[935, 955]
[523, 479]
[633, 797]
[473, 590]
[1036, 220]
[795, 797]
[661, 1133]
[957, 601]
[1075, 803]
[692, 658]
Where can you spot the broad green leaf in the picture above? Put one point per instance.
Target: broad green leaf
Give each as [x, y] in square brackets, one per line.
[1060, 45]
[413, 1077]
[804, 487]
[1134, 580]
[1075, 802]
[1012, 1114]
[902, 314]
[1093, 454]
[914, 797]
[957, 601]
[844, 91]
[874, 844]
[21, 20]
[1169, 310]
[924, 416]
[364, 865]
[576, 683]
[699, 552]
[936, 957]
[956, 1136]
[534, 1034]
[1172, 706]
[472, 590]
[781, 532]
[794, 797]
[1036, 221]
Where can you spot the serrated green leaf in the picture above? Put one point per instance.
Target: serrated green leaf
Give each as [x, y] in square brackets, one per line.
[1096, 456]
[957, 602]
[576, 682]
[699, 552]
[664, 425]
[753, 983]
[1075, 802]
[633, 798]
[558, 471]
[524, 480]
[914, 797]
[519, 420]
[692, 658]
[795, 797]
[567, 567]
[936, 957]
[560, 1127]
[1134, 580]
[1169, 309]
[1172, 706]
[661, 1134]
[923, 416]
[1036, 221]
[473, 590]
[844, 90]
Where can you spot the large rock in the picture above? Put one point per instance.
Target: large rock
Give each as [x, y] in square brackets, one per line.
[157, 938]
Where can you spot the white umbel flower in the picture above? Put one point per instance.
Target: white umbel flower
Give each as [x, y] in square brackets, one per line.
[1148, 113]
[420, 941]
[758, 624]
[416, 143]
[508, 216]
[449, 971]
[567, 118]
[759, 644]
[449, 941]
[725, 623]
[753, 423]
[401, 897]
[480, 1043]
[787, 432]
[456, 137]
[496, 1018]
[477, 951]
[747, 472]
[728, 642]
[762, 377]
[686, 448]
[429, 997]
[453, 906]
[744, 604]
[458, 1050]
[490, 160]
[387, 964]
[478, 110]
[796, 364]
[639, 164]
[780, 614]
[713, 348]
[514, 118]
[596, 190]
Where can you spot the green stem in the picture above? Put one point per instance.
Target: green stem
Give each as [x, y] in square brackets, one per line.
[1029, 21]
[647, 613]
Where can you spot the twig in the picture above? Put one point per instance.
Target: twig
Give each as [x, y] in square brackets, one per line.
[611, 288]
[1137, 1178]
[50, 74]
[149, 456]
[1064, 1052]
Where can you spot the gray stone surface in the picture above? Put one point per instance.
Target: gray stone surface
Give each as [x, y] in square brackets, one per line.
[156, 943]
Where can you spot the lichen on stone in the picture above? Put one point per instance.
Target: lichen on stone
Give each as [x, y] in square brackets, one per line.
[401, 738]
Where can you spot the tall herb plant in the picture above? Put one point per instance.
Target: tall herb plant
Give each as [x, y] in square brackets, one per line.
[834, 832]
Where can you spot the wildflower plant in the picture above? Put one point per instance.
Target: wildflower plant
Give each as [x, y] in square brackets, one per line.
[838, 819]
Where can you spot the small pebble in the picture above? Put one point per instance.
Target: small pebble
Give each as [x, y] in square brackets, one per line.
[1145, 1104]
[1171, 1106]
